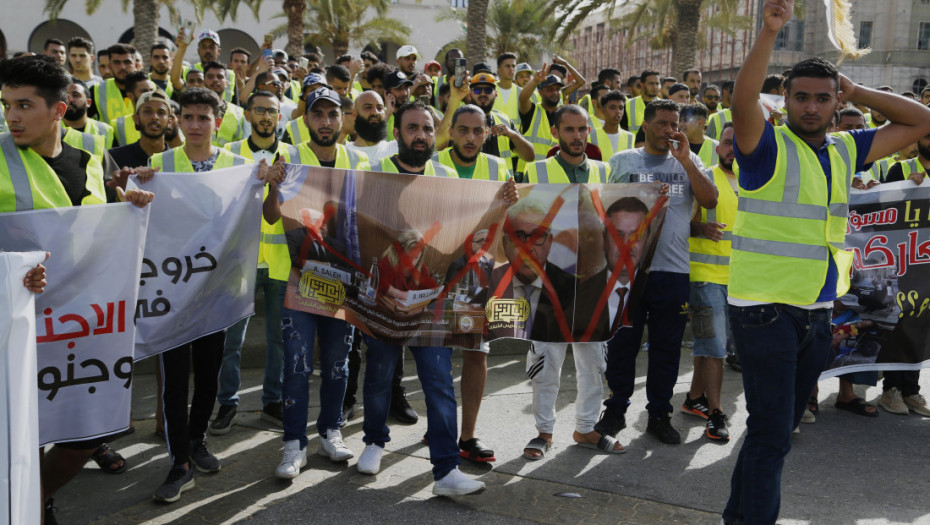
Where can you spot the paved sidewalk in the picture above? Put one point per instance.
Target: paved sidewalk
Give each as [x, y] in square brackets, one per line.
[843, 469]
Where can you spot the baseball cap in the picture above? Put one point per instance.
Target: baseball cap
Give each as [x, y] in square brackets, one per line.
[149, 96]
[323, 93]
[406, 51]
[281, 71]
[523, 66]
[431, 63]
[314, 78]
[396, 79]
[279, 53]
[481, 67]
[678, 87]
[551, 80]
[208, 34]
[483, 78]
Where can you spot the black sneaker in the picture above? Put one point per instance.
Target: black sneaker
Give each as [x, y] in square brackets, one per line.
[274, 414]
[717, 426]
[401, 409]
[696, 407]
[179, 479]
[610, 423]
[348, 412]
[224, 421]
[50, 512]
[202, 459]
[661, 427]
[733, 361]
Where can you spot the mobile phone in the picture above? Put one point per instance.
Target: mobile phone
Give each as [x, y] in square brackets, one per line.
[189, 30]
[459, 64]
[303, 62]
[269, 39]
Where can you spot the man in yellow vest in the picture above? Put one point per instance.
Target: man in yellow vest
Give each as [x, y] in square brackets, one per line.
[610, 137]
[723, 114]
[233, 125]
[914, 169]
[636, 106]
[666, 158]
[449, 65]
[787, 263]
[137, 83]
[76, 115]
[711, 234]
[693, 121]
[39, 171]
[416, 143]
[508, 93]
[263, 113]
[200, 110]
[536, 119]
[160, 63]
[710, 97]
[109, 97]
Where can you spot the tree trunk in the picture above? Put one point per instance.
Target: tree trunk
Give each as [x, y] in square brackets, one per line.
[145, 26]
[684, 45]
[294, 9]
[476, 40]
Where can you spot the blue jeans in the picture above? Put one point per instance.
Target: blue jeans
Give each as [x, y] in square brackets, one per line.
[230, 379]
[710, 324]
[663, 307]
[782, 350]
[434, 368]
[300, 331]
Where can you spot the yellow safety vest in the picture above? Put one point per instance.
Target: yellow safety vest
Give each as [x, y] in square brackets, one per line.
[175, 160]
[97, 128]
[346, 159]
[880, 167]
[27, 182]
[298, 130]
[110, 102]
[511, 106]
[432, 169]
[126, 132]
[487, 167]
[539, 133]
[635, 111]
[169, 88]
[911, 166]
[503, 143]
[787, 230]
[710, 261]
[230, 82]
[232, 127]
[272, 246]
[715, 123]
[601, 139]
[708, 152]
[549, 171]
[90, 143]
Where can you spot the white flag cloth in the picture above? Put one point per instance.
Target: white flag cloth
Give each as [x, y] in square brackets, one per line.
[198, 273]
[84, 329]
[19, 436]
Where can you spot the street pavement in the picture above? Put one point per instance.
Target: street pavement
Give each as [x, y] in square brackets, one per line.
[843, 469]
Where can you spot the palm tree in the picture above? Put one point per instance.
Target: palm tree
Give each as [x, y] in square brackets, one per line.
[476, 31]
[674, 24]
[520, 26]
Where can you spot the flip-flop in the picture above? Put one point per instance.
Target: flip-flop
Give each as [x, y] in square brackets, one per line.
[474, 450]
[537, 443]
[106, 457]
[605, 444]
[857, 406]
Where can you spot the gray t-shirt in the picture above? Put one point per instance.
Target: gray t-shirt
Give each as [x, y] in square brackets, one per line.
[636, 165]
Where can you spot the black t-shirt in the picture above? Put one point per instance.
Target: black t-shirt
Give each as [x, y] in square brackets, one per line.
[401, 169]
[131, 156]
[696, 148]
[328, 163]
[71, 167]
[490, 146]
[895, 173]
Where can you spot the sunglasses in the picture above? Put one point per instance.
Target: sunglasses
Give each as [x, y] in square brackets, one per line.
[482, 90]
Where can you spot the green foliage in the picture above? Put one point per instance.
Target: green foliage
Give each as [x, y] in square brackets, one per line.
[525, 27]
[340, 23]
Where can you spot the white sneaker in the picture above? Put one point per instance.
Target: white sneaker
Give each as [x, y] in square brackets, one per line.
[295, 458]
[332, 447]
[457, 484]
[370, 460]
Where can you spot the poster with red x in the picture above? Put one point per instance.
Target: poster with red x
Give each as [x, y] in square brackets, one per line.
[447, 262]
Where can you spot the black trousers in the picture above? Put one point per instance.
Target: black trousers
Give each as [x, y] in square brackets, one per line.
[203, 356]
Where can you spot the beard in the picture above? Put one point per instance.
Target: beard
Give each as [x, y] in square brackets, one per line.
[74, 113]
[264, 134]
[727, 165]
[408, 155]
[487, 109]
[924, 151]
[149, 135]
[171, 133]
[462, 156]
[325, 143]
[369, 131]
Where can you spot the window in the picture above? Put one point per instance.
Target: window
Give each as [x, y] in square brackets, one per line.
[919, 84]
[865, 34]
[923, 36]
[781, 41]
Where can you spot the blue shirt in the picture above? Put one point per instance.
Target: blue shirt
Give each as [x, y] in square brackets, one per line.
[757, 169]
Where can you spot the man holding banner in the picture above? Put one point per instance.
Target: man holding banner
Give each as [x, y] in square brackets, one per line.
[788, 264]
[46, 173]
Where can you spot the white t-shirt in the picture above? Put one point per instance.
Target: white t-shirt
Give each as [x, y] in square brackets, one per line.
[377, 152]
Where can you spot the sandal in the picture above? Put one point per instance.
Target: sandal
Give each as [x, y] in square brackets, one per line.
[857, 406]
[537, 443]
[606, 444]
[813, 406]
[474, 450]
[106, 457]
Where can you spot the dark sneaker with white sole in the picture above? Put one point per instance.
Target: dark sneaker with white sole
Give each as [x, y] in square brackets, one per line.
[225, 419]
[202, 459]
[179, 479]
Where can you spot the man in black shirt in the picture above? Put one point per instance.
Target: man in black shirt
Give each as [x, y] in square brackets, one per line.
[913, 169]
[151, 119]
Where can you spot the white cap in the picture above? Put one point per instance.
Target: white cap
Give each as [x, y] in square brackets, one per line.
[406, 51]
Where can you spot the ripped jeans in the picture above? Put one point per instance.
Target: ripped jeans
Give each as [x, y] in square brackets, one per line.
[300, 330]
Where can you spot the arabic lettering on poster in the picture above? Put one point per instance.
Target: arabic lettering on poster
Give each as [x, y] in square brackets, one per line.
[909, 253]
[175, 268]
[875, 218]
[51, 380]
[104, 323]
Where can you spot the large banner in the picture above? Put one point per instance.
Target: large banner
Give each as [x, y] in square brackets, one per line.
[85, 332]
[436, 261]
[889, 234]
[198, 273]
[20, 495]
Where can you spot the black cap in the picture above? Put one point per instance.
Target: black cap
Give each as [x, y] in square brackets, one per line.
[550, 80]
[396, 79]
[481, 66]
[323, 93]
